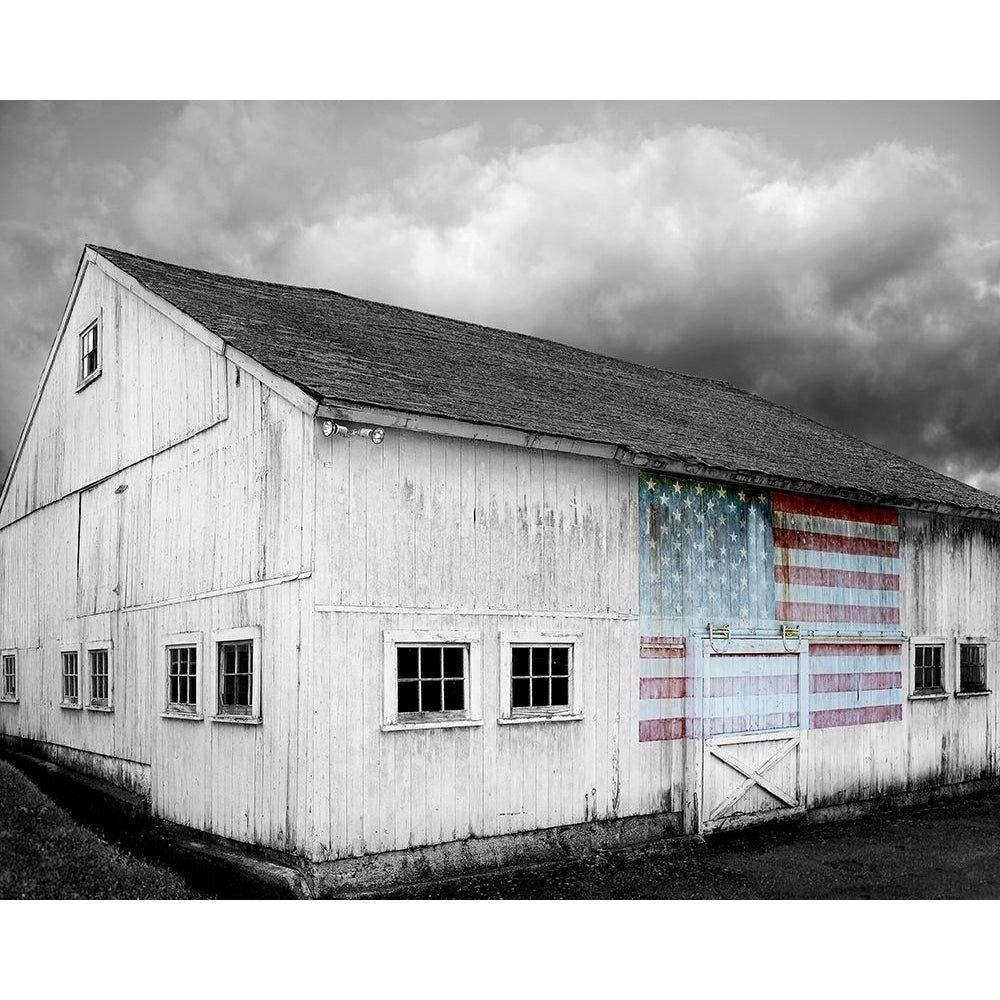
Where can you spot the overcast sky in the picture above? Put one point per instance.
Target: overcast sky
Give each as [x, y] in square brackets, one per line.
[842, 259]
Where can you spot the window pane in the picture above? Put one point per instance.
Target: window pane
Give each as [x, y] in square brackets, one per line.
[540, 660]
[406, 662]
[454, 696]
[539, 691]
[520, 657]
[430, 695]
[520, 692]
[454, 661]
[430, 661]
[560, 660]
[407, 698]
[560, 691]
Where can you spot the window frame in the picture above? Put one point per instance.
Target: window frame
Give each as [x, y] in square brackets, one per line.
[972, 640]
[12, 699]
[931, 694]
[77, 705]
[185, 640]
[97, 325]
[90, 704]
[574, 712]
[221, 637]
[471, 715]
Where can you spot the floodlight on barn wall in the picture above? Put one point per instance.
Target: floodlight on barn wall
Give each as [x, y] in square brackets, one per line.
[333, 429]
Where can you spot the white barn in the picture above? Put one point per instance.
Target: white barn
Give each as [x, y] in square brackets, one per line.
[383, 594]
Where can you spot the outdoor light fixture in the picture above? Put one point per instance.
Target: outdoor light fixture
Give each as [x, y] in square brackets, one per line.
[374, 434]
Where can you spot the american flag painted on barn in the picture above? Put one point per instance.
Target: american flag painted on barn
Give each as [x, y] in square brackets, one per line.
[662, 688]
[754, 560]
[854, 684]
[835, 564]
[749, 690]
[705, 554]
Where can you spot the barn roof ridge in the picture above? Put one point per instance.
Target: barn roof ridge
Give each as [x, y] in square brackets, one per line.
[336, 346]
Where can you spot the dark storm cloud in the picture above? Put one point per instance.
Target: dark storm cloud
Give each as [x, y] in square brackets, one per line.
[861, 289]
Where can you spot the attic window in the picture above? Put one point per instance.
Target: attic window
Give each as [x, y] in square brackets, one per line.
[90, 354]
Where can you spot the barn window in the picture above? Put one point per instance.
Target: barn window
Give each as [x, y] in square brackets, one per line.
[8, 677]
[71, 679]
[430, 680]
[99, 676]
[538, 680]
[235, 678]
[182, 679]
[90, 354]
[237, 690]
[928, 669]
[972, 667]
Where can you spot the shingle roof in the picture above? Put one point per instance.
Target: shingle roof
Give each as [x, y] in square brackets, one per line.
[342, 349]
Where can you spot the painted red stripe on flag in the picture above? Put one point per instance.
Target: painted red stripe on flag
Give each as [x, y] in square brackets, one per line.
[854, 649]
[855, 716]
[817, 577]
[749, 723]
[843, 510]
[792, 611]
[885, 681]
[661, 729]
[651, 651]
[819, 541]
[748, 687]
[662, 687]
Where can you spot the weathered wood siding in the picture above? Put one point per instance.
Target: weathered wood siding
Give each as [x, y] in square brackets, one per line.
[948, 579]
[171, 477]
[435, 533]
[158, 386]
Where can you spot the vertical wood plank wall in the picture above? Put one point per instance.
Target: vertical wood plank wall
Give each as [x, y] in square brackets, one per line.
[442, 534]
[162, 480]
[949, 568]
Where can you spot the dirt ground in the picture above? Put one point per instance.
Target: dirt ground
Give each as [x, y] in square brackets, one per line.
[946, 850]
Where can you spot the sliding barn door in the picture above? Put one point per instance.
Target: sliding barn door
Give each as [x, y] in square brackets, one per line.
[752, 711]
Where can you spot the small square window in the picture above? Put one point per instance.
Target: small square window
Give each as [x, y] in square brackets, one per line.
[928, 669]
[8, 677]
[430, 679]
[98, 670]
[537, 676]
[540, 679]
[972, 667]
[71, 678]
[90, 365]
